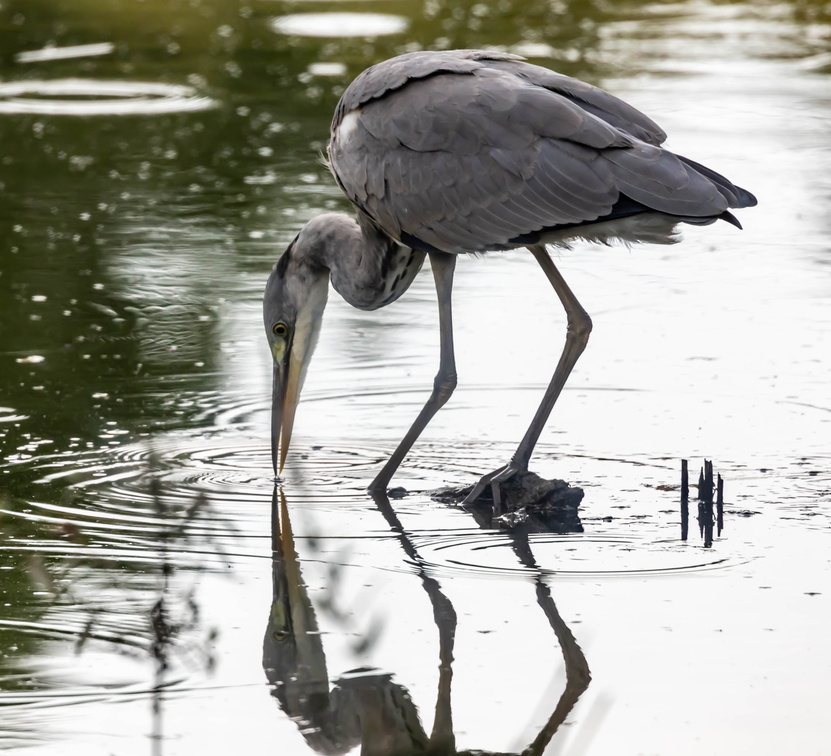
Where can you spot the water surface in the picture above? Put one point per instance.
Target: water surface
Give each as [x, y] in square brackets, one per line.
[159, 597]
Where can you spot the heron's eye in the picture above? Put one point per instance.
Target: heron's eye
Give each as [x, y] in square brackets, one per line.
[279, 329]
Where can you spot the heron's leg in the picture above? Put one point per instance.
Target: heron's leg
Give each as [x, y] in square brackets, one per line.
[443, 265]
[577, 336]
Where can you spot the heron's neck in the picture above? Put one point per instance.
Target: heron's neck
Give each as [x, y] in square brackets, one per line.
[366, 267]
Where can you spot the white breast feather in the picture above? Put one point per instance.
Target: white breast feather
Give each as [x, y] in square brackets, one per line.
[347, 126]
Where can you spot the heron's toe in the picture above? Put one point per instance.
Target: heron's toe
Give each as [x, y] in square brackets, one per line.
[494, 481]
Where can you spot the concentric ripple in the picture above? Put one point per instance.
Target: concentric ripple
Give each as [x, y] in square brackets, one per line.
[215, 492]
[93, 97]
[65, 696]
[208, 466]
[489, 555]
[221, 482]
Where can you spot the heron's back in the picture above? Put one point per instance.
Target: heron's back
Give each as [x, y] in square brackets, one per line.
[468, 151]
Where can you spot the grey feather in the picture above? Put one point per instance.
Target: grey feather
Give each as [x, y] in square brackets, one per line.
[467, 151]
[596, 101]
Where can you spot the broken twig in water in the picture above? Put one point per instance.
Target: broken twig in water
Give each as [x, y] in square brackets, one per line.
[685, 500]
[707, 519]
[705, 503]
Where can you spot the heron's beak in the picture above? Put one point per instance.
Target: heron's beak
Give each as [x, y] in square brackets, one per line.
[285, 394]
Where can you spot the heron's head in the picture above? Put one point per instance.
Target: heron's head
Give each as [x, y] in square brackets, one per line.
[293, 304]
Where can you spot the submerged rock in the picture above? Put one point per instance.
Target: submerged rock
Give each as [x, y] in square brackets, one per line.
[527, 499]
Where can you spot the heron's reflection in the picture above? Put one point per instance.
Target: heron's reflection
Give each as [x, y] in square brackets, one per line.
[365, 706]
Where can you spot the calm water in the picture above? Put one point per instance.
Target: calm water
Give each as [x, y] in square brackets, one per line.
[156, 597]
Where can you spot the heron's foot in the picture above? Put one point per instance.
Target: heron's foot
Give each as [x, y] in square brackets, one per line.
[494, 481]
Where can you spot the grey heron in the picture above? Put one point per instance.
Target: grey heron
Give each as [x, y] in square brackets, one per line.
[469, 151]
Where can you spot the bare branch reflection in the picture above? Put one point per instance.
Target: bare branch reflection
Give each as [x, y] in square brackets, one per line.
[365, 706]
[143, 609]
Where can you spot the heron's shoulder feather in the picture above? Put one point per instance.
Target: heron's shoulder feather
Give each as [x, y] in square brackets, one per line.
[390, 75]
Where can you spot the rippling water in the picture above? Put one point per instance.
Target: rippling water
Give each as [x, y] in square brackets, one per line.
[82, 97]
[158, 595]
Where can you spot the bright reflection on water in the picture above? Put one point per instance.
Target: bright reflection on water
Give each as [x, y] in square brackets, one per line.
[81, 97]
[50, 52]
[157, 597]
[339, 24]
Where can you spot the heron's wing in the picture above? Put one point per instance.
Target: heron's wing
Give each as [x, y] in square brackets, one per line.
[485, 158]
[597, 101]
[382, 79]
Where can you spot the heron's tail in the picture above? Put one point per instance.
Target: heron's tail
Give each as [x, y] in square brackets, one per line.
[735, 195]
